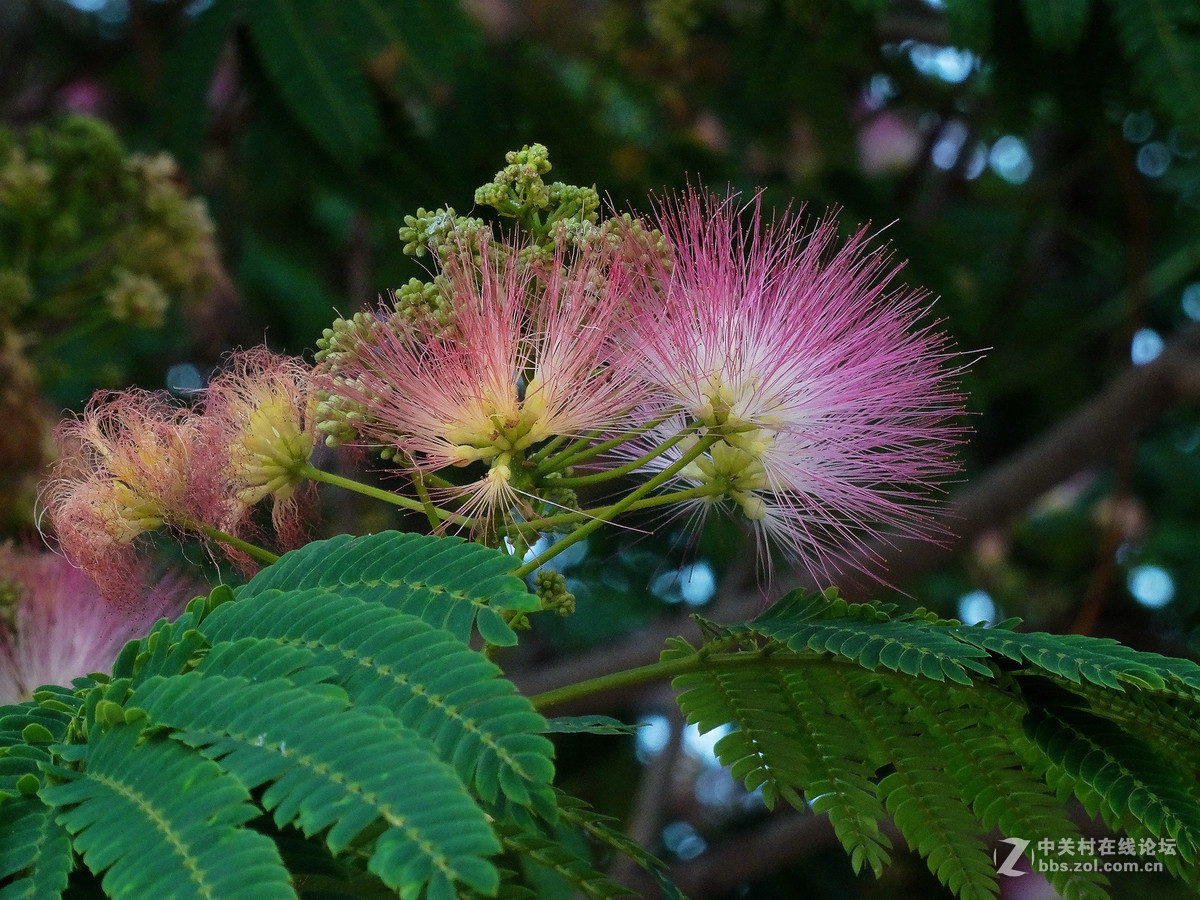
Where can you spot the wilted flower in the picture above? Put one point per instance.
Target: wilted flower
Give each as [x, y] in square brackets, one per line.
[834, 412]
[123, 469]
[256, 435]
[531, 358]
[55, 626]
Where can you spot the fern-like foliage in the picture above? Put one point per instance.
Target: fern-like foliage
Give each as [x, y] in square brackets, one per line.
[35, 851]
[142, 798]
[603, 830]
[329, 731]
[449, 583]
[556, 858]
[335, 771]
[333, 66]
[952, 731]
[425, 676]
[318, 79]
[323, 727]
[1162, 41]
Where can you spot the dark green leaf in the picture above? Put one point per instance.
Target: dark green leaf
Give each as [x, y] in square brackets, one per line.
[315, 74]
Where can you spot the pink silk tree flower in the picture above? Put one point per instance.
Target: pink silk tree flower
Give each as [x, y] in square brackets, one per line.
[255, 438]
[55, 625]
[123, 470]
[835, 408]
[532, 357]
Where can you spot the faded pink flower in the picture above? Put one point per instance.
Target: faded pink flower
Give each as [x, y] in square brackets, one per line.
[256, 436]
[55, 626]
[532, 357]
[835, 407]
[123, 470]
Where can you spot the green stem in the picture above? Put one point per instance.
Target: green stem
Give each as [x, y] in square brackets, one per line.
[548, 523]
[573, 456]
[703, 661]
[577, 480]
[311, 472]
[608, 513]
[251, 550]
[722, 655]
[573, 451]
[692, 493]
[431, 512]
[554, 443]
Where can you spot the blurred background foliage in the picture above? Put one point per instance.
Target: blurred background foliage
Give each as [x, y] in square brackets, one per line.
[1037, 163]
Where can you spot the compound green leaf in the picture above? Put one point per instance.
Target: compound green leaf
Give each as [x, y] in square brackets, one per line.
[334, 769]
[445, 581]
[320, 82]
[35, 851]
[142, 800]
[428, 678]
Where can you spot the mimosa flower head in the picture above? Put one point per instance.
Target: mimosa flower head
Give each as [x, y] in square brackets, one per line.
[123, 470]
[532, 357]
[256, 438]
[55, 625]
[258, 416]
[834, 406]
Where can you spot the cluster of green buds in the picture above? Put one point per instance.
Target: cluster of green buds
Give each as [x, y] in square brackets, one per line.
[425, 307]
[520, 192]
[93, 237]
[513, 456]
[559, 216]
[337, 416]
[439, 232]
[24, 183]
[552, 592]
[94, 242]
[137, 299]
[170, 236]
[550, 217]
[10, 601]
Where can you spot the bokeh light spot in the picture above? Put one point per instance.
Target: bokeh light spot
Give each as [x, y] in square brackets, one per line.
[1010, 159]
[1138, 126]
[653, 733]
[975, 607]
[1151, 586]
[700, 746]
[1191, 301]
[683, 840]
[1154, 159]
[1146, 345]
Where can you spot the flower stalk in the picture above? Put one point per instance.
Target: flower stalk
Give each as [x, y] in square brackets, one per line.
[608, 513]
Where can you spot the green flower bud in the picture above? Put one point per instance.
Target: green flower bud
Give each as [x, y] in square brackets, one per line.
[24, 183]
[534, 157]
[424, 308]
[438, 232]
[136, 299]
[10, 602]
[16, 290]
[552, 591]
[341, 339]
